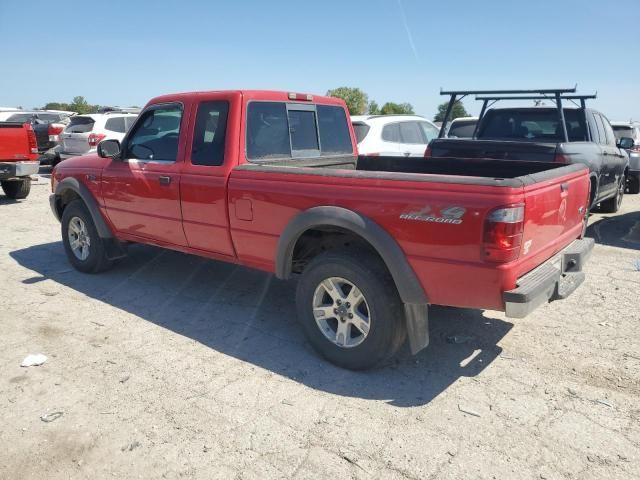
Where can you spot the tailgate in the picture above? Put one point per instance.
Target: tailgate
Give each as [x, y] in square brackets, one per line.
[14, 142]
[74, 142]
[498, 149]
[555, 211]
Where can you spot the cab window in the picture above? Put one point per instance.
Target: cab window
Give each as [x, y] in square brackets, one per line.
[155, 135]
[210, 132]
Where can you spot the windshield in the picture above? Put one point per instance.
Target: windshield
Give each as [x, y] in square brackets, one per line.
[531, 125]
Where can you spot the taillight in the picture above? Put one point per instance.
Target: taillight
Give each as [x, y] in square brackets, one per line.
[33, 144]
[427, 152]
[562, 158]
[95, 139]
[502, 236]
[635, 148]
[54, 129]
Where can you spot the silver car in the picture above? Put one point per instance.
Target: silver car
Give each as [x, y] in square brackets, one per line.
[631, 130]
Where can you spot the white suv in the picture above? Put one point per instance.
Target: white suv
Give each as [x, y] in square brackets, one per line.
[393, 135]
[85, 132]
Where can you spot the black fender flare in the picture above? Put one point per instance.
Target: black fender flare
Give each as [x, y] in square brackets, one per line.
[71, 183]
[406, 280]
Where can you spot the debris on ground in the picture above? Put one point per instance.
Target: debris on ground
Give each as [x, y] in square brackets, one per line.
[459, 339]
[469, 412]
[131, 446]
[603, 402]
[33, 360]
[50, 417]
[124, 379]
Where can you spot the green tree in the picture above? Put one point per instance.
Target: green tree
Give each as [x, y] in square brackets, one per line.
[356, 99]
[391, 108]
[374, 109]
[457, 111]
[78, 105]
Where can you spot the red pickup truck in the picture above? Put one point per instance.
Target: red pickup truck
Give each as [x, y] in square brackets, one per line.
[18, 158]
[272, 180]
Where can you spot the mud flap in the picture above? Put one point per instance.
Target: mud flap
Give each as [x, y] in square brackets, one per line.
[417, 316]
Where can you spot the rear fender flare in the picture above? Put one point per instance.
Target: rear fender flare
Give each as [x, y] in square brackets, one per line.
[407, 283]
[83, 192]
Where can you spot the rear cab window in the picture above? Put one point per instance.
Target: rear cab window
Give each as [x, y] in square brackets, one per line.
[210, 133]
[536, 125]
[295, 130]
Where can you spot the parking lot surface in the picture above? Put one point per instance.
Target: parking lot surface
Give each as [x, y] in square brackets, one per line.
[173, 366]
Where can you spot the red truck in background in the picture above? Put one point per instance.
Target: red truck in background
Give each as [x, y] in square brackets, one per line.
[18, 158]
[272, 180]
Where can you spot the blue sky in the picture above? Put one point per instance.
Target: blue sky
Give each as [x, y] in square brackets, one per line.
[125, 52]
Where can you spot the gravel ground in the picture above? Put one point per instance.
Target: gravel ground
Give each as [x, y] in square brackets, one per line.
[172, 366]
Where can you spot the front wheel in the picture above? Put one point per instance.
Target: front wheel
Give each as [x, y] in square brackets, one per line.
[16, 189]
[350, 309]
[612, 205]
[85, 249]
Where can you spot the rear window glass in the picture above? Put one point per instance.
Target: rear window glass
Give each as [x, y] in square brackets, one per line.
[462, 129]
[274, 132]
[21, 117]
[361, 130]
[80, 124]
[430, 132]
[116, 125]
[334, 130]
[531, 125]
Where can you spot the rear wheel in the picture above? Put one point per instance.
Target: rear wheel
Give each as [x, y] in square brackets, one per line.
[350, 309]
[85, 249]
[612, 205]
[16, 189]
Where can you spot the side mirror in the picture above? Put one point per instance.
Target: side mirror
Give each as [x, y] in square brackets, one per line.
[109, 149]
[625, 143]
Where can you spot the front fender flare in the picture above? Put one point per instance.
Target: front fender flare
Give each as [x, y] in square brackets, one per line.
[71, 183]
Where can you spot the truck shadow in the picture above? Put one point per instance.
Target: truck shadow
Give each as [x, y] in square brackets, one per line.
[250, 315]
[622, 231]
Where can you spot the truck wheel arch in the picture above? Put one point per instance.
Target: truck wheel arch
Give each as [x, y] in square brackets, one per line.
[71, 188]
[407, 283]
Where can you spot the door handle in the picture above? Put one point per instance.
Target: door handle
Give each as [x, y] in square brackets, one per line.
[164, 180]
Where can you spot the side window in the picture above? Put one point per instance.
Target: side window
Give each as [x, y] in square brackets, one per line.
[430, 132]
[611, 138]
[155, 137]
[267, 131]
[304, 130]
[410, 132]
[599, 125]
[115, 125]
[129, 121]
[334, 130]
[391, 133]
[210, 132]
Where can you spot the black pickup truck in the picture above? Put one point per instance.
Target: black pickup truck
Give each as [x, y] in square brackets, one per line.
[547, 134]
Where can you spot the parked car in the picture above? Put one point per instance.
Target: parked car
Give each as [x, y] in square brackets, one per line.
[18, 158]
[630, 130]
[85, 132]
[462, 127]
[272, 180]
[393, 135]
[538, 134]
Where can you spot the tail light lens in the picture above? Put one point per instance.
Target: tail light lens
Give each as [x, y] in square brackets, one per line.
[95, 139]
[54, 129]
[502, 236]
[561, 158]
[635, 148]
[33, 144]
[427, 152]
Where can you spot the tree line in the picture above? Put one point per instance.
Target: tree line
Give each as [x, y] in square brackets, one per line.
[358, 104]
[79, 105]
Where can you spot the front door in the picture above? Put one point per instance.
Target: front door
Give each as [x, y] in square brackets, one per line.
[142, 190]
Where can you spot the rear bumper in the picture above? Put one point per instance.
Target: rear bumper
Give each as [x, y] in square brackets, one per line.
[555, 279]
[18, 169]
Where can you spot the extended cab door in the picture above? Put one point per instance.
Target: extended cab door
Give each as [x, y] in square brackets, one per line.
[210, 155]
[142, 189]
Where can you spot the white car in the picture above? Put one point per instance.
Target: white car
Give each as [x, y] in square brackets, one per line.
[393, 135]
[85, 132]
[462, 127]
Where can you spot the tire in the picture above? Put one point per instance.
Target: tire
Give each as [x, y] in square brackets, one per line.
[77, 224]
[379, 303]
[612, 205]
[633, 184]
[17, 189]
